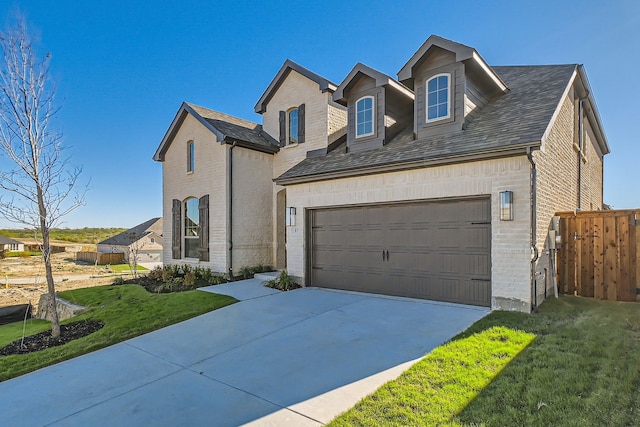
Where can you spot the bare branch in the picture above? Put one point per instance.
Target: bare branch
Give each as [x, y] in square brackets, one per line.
[38, 177]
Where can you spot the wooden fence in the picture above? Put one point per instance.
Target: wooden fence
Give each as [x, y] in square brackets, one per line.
[102, 258]
[600, 254]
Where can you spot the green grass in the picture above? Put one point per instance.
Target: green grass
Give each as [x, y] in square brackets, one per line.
[125, 268]
[581, 369]
[127, 311]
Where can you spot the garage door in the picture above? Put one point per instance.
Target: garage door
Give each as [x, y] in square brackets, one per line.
[437, 250]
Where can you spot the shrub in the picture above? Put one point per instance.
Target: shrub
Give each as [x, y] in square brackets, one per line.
[283, 282]
[246, 272]
[118, 281]
[189, 279]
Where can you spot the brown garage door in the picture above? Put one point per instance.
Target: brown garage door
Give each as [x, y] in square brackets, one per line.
[438, 250]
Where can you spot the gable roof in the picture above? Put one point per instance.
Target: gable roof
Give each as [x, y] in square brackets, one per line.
[463, 53]
[133, 234]
[381, 79]
[4, 240]
[228, 129]
[323, 84]
[498, 129]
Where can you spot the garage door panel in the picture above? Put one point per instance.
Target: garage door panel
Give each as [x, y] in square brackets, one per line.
[436, 250]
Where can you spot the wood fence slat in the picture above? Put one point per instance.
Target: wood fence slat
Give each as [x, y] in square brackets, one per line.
[624, 282]
[572, 249]
[636, 259]
[599, 285]
[610, 258]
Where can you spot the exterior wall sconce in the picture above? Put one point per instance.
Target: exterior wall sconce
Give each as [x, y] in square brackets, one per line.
[506, 206]
[290, 217]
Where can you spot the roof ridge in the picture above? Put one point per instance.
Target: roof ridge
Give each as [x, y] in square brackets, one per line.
[220, 113]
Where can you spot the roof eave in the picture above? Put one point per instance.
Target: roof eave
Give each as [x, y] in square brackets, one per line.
[515, 150]
[324, 84]
[602, 137]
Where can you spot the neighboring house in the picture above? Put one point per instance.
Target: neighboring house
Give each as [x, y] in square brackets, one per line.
[144, 239]
[440, 184]
[10, 245]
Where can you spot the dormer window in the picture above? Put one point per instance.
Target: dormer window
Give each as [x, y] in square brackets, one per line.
[364, 116]
[438, 97]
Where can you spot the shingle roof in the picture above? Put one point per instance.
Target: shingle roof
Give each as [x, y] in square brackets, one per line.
[4, 240]
[518, 117]
[228, 129]
[324, 85]
[131, 235]
[234, 127]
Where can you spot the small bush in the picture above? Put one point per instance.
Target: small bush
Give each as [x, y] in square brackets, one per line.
[189, 279]
[283, 282]
[246, 272]
[118, 281]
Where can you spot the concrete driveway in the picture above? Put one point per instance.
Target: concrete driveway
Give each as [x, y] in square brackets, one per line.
[297, 358]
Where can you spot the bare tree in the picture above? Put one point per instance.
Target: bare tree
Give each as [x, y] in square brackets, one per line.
[37, 177]
[134, 251]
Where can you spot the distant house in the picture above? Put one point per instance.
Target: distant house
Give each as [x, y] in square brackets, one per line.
[145, 239]
[10, 245]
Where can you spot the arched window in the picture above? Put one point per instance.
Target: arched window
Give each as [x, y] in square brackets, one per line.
[364, 116]
[438, 102]
[191, 228]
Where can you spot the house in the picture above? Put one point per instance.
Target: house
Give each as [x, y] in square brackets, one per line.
[10, 245]
[440, 184]
[144, 239]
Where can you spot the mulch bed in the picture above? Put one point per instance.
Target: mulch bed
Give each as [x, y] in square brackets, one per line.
[44, 340]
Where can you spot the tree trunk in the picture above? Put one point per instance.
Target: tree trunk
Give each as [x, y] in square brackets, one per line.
[46, 256]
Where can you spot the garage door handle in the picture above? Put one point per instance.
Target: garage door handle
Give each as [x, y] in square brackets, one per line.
[383, 259]
[387, 256]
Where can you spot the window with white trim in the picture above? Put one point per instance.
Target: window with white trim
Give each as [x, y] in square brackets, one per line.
[191, 156]
[364, 116]
[438, 97]
[191, 228]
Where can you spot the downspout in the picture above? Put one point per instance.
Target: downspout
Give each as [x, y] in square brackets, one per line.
[580, 143]
[534, 248]
[230, 210]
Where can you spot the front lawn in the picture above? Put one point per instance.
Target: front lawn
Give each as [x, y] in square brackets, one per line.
[127, 311]
[125, 268]
[574, 363]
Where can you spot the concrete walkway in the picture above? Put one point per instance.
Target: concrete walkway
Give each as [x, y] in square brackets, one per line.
[294, 358]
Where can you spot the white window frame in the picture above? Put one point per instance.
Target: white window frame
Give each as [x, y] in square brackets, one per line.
[426, 101]
[373, 116]
[191, 156]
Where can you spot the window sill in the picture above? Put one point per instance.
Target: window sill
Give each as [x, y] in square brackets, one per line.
[189, 172]
[576, 148]
[291, 145]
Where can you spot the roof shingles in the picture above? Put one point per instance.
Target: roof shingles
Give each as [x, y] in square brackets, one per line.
[520, 116]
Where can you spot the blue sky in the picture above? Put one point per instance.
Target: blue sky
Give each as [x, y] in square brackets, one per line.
[124, 67]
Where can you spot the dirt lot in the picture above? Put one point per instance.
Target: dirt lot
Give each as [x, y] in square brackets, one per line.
[67, 272]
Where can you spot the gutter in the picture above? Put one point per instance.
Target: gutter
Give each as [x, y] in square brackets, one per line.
[534, 248]
[230, 209]
[514, 150]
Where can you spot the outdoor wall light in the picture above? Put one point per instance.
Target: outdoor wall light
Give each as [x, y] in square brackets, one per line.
[290, 219]
[506, 206]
